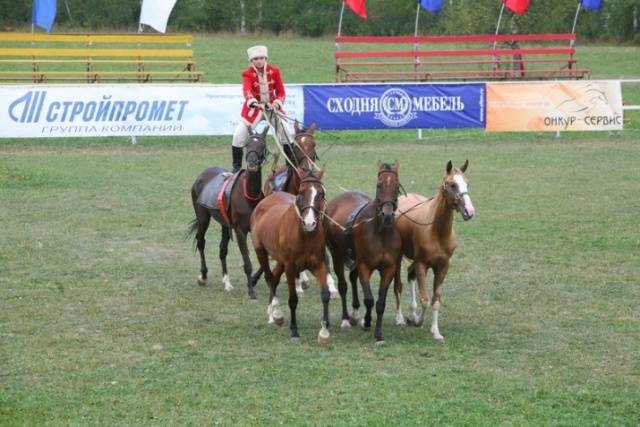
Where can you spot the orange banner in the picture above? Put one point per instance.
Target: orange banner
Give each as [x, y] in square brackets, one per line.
[557, 106]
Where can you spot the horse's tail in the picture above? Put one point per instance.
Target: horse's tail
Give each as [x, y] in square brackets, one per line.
[193, 226]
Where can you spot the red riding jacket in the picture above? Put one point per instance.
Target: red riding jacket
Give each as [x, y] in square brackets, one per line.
[251, 91]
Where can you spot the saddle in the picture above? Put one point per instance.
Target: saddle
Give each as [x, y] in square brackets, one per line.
[216, 194]
[350, 261]
[281, 179]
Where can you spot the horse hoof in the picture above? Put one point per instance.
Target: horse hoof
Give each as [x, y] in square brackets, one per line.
[201, 281]
[346, 324]
[438, 337]
[295, 340]
[323, 340]
[379, 343]
[278, 321]
[334, 295]
[363, 325]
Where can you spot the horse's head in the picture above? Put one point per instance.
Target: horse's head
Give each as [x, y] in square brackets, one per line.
[456, 190]
[311, 198]
[387, 191]
[256, 150]
[304, 147]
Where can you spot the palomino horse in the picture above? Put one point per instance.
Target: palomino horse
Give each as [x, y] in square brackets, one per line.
[244, 196]
[366, 227]
[426, 227]
[289, 229]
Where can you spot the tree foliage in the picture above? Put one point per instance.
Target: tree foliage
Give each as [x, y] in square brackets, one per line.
[618, 21]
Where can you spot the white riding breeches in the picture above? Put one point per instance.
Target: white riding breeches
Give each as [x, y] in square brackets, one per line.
[278, 131]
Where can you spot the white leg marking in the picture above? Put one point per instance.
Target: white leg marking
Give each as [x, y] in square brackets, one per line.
[227, 283]
[274, 312]
[346, 324]
[434, 322]
[331, 284]
[413, 305]
[400, 318]
[299, 289]
[304, 280]
[323, 335]
[201, 281]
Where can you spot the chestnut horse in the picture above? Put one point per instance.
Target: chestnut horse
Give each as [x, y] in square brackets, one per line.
[428, 238]
[304, 155]
[245, 195]
[289, 229]
[366, 227]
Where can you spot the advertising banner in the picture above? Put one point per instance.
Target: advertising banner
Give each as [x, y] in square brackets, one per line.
[557, 106]
[126, 110]
[377, 106]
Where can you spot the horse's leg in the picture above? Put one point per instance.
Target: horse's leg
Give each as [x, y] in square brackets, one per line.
[421, 277]
[355, 304]
[293, 301]
[301, 282]
[386, 276]
[342, 289]
[256, 276]
[321, 275]
[331, 284]
[203, 225]
[224, 246]
[364, 274]
[397, 290]
[439, 273]
[273, 310]
[241, 237]
[263, 259]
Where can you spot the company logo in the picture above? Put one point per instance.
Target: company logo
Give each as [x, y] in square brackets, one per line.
[396, 108]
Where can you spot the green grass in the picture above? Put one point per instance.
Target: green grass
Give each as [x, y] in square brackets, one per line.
[102, 323]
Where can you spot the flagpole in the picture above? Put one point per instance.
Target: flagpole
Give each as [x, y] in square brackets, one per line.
[498, 25]
[340, 21]
[415, 31]
[575, 21]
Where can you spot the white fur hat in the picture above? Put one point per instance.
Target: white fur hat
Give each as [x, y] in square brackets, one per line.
[257, 51]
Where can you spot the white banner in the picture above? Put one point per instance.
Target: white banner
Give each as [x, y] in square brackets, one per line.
[82, 110]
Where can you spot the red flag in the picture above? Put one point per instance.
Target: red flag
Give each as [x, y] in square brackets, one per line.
[358, 7]
[518, 6]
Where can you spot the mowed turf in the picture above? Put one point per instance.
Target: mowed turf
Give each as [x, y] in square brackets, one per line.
[102, 322]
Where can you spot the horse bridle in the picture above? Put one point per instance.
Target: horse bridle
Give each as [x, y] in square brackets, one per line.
[457, 195]
[304, 156]
[318, 212]
[255, 153]
[389, 201]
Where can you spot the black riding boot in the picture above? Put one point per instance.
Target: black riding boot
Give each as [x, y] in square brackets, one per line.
[236, 155]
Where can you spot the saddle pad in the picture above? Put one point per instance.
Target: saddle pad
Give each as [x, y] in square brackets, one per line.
[209, 195]
[280, 180]
[350, 262]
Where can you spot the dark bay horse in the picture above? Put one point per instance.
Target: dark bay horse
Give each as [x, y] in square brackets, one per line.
[304, 154]
[364, 238]
[428, 238]
[289, 229]
[245, 195]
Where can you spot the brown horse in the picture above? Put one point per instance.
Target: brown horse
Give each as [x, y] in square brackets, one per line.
[304, 156]
[245, 195]
[366, 227]
[289, 229]
[426, 227]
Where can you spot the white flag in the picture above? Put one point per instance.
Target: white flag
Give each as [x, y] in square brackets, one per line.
[155, 13]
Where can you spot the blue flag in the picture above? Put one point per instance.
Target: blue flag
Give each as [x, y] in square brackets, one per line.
[594, 5]
[431, 5]
[44, 13]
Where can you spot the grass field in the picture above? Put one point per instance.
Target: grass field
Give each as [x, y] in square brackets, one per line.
[102, 322]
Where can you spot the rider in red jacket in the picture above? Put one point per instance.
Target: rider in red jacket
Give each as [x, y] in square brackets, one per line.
[264, 96]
